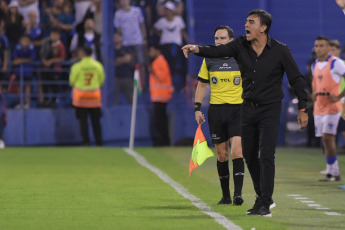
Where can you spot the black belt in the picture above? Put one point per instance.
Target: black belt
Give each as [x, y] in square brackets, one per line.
[252, 103]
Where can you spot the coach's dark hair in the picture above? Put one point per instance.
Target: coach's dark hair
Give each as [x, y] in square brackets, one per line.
[322, 38]
[265, 18]
[227, 28]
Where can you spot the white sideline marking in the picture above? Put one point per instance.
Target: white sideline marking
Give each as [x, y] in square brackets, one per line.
[202, 206]
[307, 201]
[314, 205]
[332, 214]
[311, 203]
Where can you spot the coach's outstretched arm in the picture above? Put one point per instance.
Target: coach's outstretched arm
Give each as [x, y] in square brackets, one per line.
[211, 51]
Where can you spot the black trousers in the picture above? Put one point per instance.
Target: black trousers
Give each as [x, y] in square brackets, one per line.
[95, 116]
[259, 132]
[160, 133]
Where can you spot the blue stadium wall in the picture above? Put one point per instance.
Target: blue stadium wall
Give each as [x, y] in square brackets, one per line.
[295, 23]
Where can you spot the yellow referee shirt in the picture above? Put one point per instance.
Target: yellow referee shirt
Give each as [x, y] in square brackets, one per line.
[225, 80]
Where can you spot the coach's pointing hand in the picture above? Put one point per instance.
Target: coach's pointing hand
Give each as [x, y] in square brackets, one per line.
[302, 119]
[189, 49]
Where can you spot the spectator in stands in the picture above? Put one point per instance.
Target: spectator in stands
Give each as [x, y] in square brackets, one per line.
[25, 6]
[95, 12]
[86, 78]
[4, 54]
[88, 38]
[24, 54]
[3, 9]
[3, 119]
[69, 12]
[14, 24]
[179, 7]
[55, 17]
[161, 92]
[129, 21]
[124, 70]
[52, 52]
[35, 32]
[171, 29]
[80, 7]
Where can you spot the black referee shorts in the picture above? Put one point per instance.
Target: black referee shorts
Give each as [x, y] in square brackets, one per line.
[224, 122]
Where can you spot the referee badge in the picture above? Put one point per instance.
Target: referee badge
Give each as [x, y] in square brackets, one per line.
[237, 80]
[214, 80]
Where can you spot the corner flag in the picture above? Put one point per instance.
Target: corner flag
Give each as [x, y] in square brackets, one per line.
[200, 150]
[137, 81]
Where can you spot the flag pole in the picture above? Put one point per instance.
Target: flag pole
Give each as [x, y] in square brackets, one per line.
[134, 109]
[136, 88]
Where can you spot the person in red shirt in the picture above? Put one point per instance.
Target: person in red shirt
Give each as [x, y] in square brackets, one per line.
[161, 90]
[53, 52]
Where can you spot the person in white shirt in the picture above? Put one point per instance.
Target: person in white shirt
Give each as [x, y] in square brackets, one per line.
[80, 7]
[129, 21]
[25, 6]
[172, 31]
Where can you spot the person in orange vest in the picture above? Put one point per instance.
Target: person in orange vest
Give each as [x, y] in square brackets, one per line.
[161, 90]
[86, 77]
[327, 73]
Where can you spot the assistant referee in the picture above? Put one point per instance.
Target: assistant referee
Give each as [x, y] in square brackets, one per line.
[224, 77]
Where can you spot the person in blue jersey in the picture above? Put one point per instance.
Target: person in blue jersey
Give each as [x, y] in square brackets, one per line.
[35, 32]
[4, 53]
[22, 57]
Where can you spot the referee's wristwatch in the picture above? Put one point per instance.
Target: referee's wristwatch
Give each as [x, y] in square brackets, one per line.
[306, 110]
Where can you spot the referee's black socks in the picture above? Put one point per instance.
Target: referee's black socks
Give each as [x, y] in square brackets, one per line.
[223, 172]
[238, 174]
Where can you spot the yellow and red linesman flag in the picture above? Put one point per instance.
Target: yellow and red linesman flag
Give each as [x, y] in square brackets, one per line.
[201, 151]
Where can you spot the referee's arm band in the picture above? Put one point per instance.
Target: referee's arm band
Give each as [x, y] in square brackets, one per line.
[203, 80]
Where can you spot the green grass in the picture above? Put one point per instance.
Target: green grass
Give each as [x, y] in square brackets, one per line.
[104, 188]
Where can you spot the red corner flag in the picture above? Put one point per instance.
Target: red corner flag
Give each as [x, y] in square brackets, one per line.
[200, 150]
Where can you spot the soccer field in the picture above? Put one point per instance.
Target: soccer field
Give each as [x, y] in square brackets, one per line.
[105, 188]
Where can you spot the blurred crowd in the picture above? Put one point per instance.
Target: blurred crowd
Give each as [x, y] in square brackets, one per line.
[39, 39]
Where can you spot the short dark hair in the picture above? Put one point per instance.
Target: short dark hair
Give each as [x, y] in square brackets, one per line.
[87, 50]
[156, 47]
[25, 36]
[334, 43]
[227, 28]
[319, 38]
[55, 30]
[265, 18]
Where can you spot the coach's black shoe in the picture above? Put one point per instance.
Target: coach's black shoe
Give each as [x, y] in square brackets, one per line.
[258, 203]
[261, 211]
[225, 200]
[272, 204]
[238, 200]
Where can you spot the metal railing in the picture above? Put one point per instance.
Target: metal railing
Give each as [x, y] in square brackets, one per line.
[41, 79]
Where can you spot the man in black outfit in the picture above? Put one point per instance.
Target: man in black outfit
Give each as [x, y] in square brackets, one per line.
[262, 61]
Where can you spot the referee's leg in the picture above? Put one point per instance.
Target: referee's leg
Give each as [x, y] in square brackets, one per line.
[250, 143]
[268, 133]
